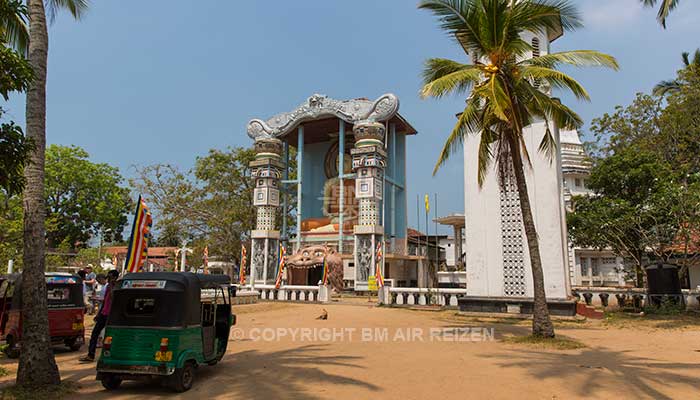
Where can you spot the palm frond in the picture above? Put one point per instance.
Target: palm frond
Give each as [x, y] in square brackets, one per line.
[468, 122]
[13, 24]
[77, 8]
[442, 76]
[667, 88]
[552, 109]
[548, 145]
[540, 16]
[498, 101]
[556, 79]
[485, 154]
[457, 19]
[664, 10]
[576, 58]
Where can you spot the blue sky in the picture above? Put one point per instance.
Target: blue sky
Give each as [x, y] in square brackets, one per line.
[141, 82]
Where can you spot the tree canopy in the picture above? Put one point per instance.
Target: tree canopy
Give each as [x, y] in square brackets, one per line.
[83, 198]
[645, 179]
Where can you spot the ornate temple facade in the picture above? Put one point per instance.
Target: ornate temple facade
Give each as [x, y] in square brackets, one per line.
[349, 190]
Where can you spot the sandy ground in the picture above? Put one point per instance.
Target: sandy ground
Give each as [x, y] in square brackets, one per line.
[421, 357]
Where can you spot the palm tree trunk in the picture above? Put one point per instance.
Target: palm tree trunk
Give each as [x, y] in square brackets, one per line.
[37, 366]
[541, 323]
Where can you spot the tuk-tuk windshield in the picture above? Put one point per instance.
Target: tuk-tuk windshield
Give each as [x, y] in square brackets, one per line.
[147, 307]
[64, 291]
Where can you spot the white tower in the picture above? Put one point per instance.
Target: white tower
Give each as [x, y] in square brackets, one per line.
[499, 275]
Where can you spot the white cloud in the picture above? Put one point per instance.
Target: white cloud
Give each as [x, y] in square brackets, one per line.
[611, 14]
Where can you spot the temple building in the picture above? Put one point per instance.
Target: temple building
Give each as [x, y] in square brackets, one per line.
[349, 190]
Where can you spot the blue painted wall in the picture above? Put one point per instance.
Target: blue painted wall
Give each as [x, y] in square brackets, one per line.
[313, 179]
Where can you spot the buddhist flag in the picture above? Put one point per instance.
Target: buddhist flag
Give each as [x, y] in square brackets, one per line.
[138, 242]
[243, 262]
[378, 267]
[280, 269]
[324, 279]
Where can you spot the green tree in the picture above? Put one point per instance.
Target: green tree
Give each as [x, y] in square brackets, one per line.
[83, 199]
[665, 88]
[11, 231]
[212, 204]
[15, 76]
[646, 179]
[208, 206]
[632, 210]
[508, 92]
[665, 8]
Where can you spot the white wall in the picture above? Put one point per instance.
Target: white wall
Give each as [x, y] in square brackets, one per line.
[483, 230]
[694, 277]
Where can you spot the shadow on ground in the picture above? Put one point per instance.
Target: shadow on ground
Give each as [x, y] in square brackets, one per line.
[634, 376]
[285, 374]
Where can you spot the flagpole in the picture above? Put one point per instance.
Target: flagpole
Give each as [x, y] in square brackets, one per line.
[418, 249]
[437, 248]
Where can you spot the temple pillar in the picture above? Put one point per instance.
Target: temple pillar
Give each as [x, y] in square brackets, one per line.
[368, 163]
[266, 171]
[458, 247]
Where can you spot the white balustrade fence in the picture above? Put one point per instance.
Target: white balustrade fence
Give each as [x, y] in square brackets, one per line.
[613, 298]
[400, 296]
[293, 293]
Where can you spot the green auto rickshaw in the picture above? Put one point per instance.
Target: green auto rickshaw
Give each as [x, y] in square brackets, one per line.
[164, 325]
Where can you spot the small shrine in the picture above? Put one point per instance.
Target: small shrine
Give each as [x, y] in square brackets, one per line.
[349, 191]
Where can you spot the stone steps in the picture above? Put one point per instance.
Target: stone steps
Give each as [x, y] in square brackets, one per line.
[589, 311]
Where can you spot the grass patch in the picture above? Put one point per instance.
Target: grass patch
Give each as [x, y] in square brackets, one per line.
[683, 320]
[557, 343]
[59, 392]
[3, 371]
[452, 317]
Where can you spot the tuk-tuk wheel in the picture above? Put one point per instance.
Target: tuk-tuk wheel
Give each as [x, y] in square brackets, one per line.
[11, 350]
[183, 377]
[111, 382]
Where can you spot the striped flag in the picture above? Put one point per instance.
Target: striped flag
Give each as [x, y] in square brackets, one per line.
[138, 242]
[243, 262]
[280, 269]
[205, 256]
[378, 267]
[324, 279]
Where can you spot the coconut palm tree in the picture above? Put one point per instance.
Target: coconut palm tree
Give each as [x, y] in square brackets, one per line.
[670, 87]
[508, 92]
[664, 10]
[37, 366]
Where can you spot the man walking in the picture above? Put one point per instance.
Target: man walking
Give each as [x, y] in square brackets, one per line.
[102, 315]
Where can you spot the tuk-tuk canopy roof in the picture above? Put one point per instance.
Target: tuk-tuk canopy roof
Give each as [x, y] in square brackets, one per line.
[176, 297]
[189, 280]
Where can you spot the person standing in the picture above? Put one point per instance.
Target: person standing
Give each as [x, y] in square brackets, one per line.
[101, 317]
[89, 288]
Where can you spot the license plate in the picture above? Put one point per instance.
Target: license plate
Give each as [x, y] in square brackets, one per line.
[77, 326]
[164, 356]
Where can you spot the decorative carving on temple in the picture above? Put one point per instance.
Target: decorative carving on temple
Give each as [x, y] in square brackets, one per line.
[258, 258]
[272, 262]
[364, 257]
[352, 111]
[306, 266]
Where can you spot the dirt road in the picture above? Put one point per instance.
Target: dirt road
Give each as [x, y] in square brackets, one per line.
[364, 352]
